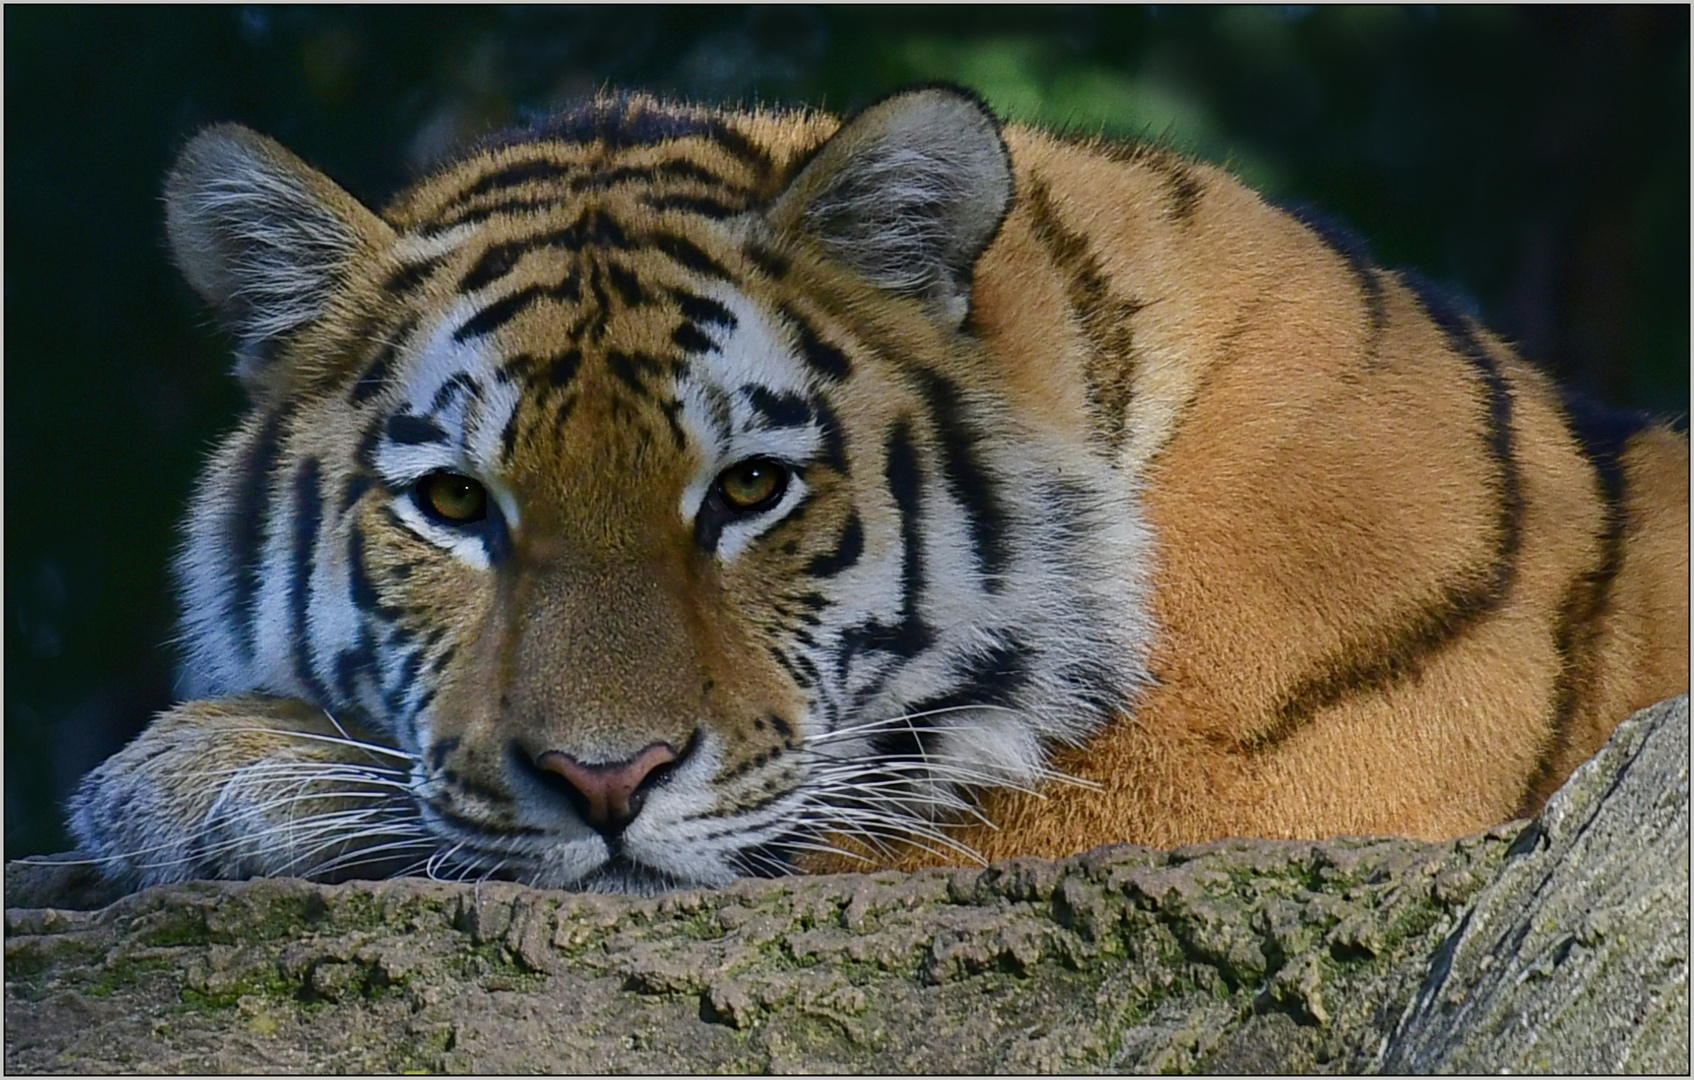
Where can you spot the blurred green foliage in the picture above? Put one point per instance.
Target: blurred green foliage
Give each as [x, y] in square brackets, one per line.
[1536, 161]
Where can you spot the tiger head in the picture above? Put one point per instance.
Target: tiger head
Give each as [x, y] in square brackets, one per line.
[643, 478]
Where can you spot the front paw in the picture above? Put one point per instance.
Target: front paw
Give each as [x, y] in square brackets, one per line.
[248, 786]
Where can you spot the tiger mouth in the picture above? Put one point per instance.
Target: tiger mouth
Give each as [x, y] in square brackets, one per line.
[621, 874]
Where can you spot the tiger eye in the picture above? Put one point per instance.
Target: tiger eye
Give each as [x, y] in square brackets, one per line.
[754, 484]
[452, 499]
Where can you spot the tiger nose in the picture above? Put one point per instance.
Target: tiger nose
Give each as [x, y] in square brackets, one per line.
[608, 796]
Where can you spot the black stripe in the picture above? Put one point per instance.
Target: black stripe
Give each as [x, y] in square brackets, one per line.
[1353, 251]
[599, 310]
[593, 228]
[1111, 366]
[357, 485]
[973, 486]
[626, 284]
[509, 435]
[1462, 339]
[440, 749]
[1603, 435]
[359, 588]
[453, 817]
[1400, 651]
[562, 369]
[1183, 188]
[351, 663]
[703, 205]
[903, 474]
[573, 180]
[246, 526]
[409, 276]
[742, 768]
[376, 374]
[630, 367]
[408, 430]
[730, 199]
[502, 311]
[477, 214]
[518, 172]
[365, 452]
[495, 263]
[308, 517]
[739, 145]
[848, 550]
[622, 123]
[808, 670]
[674, 169]
[690, 339]
[395, 700]
[822, 357]
[442, 659]
[563, 415]
[992, 677]
[779, 409]
[616, 123]
[786, 665]
[489, 794]
[766, 260]
[911, 743]
[687, 253]
[834, 442]
[700, 309]
[460, 382]
[909, 635]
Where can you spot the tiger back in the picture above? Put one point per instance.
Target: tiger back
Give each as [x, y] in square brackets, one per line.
[663, 494]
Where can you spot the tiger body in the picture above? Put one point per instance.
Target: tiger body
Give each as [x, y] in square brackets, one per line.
[1098, 500]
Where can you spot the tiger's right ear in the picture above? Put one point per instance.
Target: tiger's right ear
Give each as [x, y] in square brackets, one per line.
[261, 235]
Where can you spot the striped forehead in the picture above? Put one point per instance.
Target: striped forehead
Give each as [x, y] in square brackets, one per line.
[752, 390]
[453, 405]
[737, 380]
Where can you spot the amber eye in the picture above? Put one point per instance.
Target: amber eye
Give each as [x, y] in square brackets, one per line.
[754, 484]
[452, 499]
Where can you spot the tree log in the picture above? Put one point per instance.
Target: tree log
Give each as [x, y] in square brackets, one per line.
[1559, 944]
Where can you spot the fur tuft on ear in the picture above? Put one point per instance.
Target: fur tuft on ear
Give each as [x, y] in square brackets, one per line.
[260, 235]
[908, 193]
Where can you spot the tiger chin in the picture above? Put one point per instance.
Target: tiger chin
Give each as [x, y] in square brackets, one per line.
[660, 495]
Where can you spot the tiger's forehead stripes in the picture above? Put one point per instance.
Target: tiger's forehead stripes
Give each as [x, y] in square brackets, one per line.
[696, 162]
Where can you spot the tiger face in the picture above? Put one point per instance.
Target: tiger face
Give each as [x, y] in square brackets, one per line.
[642, 480]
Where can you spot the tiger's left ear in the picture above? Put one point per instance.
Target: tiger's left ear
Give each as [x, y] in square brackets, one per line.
[908, 193]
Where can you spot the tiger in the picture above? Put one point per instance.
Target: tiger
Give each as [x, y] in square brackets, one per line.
[661, 494]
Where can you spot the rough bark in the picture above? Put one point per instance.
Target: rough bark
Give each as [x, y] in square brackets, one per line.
[1559, 944]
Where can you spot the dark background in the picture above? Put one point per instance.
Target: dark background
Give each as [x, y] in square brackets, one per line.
[1534, 161]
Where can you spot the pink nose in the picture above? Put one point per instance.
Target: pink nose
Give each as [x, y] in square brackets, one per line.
[611, 794]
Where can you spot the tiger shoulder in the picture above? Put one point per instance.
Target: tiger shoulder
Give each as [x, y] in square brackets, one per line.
[663, 494]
